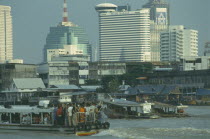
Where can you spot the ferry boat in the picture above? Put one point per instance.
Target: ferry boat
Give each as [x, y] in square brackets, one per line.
[121, 108]
[36, 118]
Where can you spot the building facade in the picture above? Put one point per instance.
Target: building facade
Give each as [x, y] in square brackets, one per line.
[99, 69]
[207, 49]
[75, 72]
[6, 37]
[63, 73]
[195, 63]
[156, 29]
[178, 42]
[123, 35]
[10, 71]
[160, 20]
[187, 81]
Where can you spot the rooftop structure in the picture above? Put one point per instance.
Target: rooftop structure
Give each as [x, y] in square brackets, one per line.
[106, 7]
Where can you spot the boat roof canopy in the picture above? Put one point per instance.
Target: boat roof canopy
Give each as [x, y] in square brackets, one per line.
[24, 109]
[125, 103]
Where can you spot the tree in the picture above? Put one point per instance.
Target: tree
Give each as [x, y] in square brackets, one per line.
[110, 84]
[92, 82]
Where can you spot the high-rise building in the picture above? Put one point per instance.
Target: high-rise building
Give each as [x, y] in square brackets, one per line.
[159, 11]
[160, 19]
[123, 35]
[178, 42]
[6, 37]
[61, 36]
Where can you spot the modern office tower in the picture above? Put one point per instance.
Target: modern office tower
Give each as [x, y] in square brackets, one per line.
[178, 42]
[207, 49]
[160, 19]
[159, 11]
[62, 34]
[6, 40]
[123, 36]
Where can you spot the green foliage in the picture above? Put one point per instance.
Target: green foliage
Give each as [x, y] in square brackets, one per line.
[92, 82]
[110, 84]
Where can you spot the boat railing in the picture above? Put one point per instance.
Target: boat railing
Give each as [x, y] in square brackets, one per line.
[86, 117]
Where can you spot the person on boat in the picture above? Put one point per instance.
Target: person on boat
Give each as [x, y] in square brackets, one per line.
[74, 115]
[70, 114]
[28, 119]
[46, 119]
[87, 113]
[59, 115]
[92, 112]
[37, 119]
[102, 117]
[24, 119]
[65, 114]
[82, 114]
[54, 114]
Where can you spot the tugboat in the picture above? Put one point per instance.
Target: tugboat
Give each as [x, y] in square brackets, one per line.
[36, 118]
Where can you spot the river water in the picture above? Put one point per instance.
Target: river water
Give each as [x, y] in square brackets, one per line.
[195, 127]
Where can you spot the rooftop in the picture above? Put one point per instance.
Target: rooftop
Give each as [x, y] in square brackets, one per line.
[28, 83]
[106, 5]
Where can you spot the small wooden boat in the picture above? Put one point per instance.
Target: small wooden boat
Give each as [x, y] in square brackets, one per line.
[87, 133]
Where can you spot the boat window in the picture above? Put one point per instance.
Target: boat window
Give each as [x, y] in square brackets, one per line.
[15, 118]
[5, 118]
[36, 118]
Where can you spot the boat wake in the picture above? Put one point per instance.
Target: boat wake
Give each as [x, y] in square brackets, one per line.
[156, 133]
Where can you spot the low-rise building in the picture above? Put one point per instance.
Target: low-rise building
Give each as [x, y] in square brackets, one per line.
[10, 71]
[63, 72]
[195, 63]
[187, 81]
[22, 89]
[99, 69]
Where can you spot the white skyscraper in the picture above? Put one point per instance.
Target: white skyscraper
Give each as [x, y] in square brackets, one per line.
[6, 41]
[124, 35]
[178, 42]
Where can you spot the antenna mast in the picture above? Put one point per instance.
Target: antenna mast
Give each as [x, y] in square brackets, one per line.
[65, 12]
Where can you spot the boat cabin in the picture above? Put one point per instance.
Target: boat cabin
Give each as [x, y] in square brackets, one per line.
[120, 108]
[26, 115]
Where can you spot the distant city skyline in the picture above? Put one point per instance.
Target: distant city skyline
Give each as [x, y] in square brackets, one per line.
[32, 20]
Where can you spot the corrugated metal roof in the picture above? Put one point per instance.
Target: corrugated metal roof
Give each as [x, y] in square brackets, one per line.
[29, 83]
[67, 87]
[152, 89]
[90, 88]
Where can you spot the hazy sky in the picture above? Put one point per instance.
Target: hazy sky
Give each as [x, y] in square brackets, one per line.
[33, 18]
